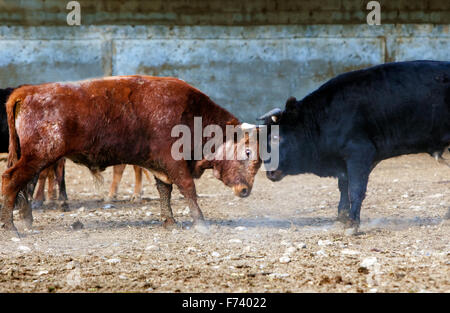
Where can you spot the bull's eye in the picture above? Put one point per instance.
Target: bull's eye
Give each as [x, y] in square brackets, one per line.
[248, 153]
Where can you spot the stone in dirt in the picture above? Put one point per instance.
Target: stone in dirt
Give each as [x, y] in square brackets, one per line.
[152, 248]
[369, 262]
[290, 250]
[24, 248]
[324, 242]
[77, 225]
[301, 245]
[72, 264]
[279, 275]
[321, 253]
[349, 252]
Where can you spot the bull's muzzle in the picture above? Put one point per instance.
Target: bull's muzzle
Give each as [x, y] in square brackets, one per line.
[241, 190]
[275, 175]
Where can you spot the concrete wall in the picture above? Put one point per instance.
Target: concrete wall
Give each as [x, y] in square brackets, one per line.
[245, 69]
[222, 12]
[248, 68]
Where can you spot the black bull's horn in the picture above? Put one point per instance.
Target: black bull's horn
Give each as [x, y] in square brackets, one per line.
[271, 117]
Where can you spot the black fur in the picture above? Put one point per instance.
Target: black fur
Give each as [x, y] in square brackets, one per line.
[4, 133]
[352, 122]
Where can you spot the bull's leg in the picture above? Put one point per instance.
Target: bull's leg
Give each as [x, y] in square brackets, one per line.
[359, 167]
[61, 179]
[60, 169]
[165, 191]
[24, 208]
[51, 184]
[40, 194]
[185, 183]
[137, 184]
[15, 179]
[117, 176]
[344, 202]
[31, 186]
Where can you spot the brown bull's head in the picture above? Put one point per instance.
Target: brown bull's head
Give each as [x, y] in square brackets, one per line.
[239, 160]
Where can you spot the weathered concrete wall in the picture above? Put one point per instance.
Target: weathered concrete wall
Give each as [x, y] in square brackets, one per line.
[222, 12]
[247, 69]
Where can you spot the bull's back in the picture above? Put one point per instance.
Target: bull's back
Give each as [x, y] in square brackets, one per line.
[106, 103]
[111, 120]
[401, 107]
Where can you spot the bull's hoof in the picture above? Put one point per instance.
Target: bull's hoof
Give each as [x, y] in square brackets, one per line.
[64, 206]
[169, 223]
[28, 220]
[344, 218]
[9, 227]
[351, 226]
[136, 198]
[351, 231]
[110, 198]
[37, 204]
[201, 227]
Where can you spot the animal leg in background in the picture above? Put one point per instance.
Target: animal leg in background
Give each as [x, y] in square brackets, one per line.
[55, 175]
[117, 176]
[137, 195]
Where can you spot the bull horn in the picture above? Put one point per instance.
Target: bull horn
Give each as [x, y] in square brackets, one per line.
[245, 126]
[273, 116]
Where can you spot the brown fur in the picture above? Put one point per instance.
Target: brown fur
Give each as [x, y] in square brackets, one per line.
[55, 176]
[105, 122]
[117, 176]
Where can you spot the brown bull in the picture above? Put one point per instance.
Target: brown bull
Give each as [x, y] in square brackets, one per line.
[117, 120]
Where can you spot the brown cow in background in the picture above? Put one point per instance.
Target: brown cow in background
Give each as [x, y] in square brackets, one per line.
[117, 176]
[55, 175]
[117, 120]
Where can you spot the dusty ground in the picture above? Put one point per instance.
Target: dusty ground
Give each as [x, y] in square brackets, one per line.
[280, 239]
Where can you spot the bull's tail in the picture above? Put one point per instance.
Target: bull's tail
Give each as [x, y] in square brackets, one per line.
[12, 110]
[147, 174]
[97, 177]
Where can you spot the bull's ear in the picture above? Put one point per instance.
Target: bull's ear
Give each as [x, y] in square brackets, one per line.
[291, 104]
[271, 117]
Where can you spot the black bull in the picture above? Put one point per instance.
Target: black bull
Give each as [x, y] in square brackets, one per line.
[354, 121]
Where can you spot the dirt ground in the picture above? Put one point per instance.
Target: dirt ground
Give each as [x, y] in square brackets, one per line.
[283, 238]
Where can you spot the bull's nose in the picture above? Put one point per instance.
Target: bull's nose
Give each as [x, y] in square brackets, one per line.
[274, 175]
[241, 190]
[244, 192]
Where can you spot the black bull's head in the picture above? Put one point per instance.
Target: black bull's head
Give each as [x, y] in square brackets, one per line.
[276, 117]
